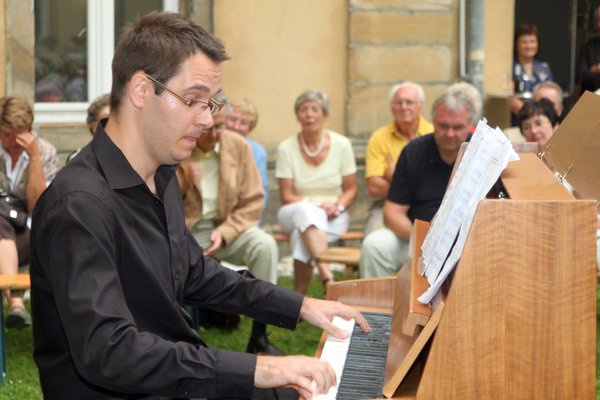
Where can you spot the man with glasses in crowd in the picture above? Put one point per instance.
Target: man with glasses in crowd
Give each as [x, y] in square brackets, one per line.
[406, 101]
[223, 200]
[113, 263]
[419, 181]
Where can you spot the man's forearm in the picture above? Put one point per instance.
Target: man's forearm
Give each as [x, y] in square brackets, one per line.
[400, 225]
[378, 187]
[36, 182]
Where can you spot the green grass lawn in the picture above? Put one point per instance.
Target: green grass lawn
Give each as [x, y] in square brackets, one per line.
[22, 380]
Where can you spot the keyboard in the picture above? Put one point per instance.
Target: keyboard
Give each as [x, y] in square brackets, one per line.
[358, 361]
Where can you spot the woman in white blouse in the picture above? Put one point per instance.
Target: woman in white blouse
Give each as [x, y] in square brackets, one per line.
[317, 184]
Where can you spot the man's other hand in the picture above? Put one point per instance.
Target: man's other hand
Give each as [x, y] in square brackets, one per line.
[309, 376]
[321, 312]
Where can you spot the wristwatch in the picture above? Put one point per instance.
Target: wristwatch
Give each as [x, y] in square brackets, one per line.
[341, 208]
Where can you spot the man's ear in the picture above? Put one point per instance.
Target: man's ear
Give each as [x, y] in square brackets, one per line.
[139, 89]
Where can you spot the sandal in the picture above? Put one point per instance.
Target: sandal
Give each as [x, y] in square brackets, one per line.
[17, 318]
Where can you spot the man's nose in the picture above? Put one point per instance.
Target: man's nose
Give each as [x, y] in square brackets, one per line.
[451, 132]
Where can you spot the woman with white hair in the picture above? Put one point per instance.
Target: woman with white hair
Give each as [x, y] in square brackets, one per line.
[317, 183]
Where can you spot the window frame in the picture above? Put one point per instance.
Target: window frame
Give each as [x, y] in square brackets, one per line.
[100, 45]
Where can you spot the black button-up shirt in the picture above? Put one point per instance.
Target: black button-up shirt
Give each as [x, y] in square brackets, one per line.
[420, 178]
[112, 266]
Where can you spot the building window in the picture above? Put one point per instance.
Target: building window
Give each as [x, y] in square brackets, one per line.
[74, 44]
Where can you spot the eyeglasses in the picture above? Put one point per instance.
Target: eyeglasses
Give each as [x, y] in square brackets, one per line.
[219, 128]
[400, 103]
[241, 121]
[196, 105]
[455, 128]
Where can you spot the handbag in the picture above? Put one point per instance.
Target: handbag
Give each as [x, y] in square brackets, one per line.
[14, 210]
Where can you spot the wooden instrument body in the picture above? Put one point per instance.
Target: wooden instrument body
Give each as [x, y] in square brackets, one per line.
[519, 318]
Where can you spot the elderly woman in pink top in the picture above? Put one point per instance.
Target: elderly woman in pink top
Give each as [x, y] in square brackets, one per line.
[317, 183]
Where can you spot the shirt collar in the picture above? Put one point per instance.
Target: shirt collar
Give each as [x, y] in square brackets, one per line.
[5, 156]
[215, 151]
[394, 130]
[117, 170]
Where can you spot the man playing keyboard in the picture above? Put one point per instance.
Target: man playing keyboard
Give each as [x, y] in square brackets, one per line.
[113, 264]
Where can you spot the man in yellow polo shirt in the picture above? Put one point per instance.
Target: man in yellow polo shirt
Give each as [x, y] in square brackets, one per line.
[384, 147]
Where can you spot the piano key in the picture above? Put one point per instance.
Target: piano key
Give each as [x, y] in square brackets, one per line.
[334, 352]
[359, 362]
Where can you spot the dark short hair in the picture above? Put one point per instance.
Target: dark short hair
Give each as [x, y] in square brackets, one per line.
[158, 44]
[526, 28]
[542, 106]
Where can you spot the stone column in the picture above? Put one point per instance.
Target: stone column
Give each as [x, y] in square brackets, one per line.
[17, 67]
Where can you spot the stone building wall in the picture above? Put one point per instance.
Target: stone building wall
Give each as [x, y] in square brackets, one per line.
[17, 59]
[353, 49]
[391, 41]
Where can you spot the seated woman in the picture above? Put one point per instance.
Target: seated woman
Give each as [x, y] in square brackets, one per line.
[538, 121]
[527, 71]
[317, 183]
[27, 165]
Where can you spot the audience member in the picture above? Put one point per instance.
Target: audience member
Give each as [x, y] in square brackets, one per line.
[552, 91]
[27, 165]
[466, 89]
[113, 263]
[97, 110]
[222, 202]
[317, 183]
[419, 183]
[242, 117]
[527, 70]
[589, 68]
[538, 121]
[549, 90]
[385, 144]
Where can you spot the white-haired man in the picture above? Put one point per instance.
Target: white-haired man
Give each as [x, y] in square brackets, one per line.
[419, 182]
[406, 103]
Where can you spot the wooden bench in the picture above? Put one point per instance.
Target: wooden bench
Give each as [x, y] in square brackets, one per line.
[350, 235]
[349, 256]
[14, 282]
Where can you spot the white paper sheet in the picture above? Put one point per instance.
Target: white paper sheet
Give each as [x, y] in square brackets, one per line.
[484, 160]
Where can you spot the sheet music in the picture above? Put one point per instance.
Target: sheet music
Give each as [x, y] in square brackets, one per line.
[486, 157]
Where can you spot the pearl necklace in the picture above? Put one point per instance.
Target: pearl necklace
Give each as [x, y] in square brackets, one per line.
[313, 154]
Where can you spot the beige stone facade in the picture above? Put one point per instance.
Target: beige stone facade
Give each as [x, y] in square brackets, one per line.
[354, 50]
[16, 48]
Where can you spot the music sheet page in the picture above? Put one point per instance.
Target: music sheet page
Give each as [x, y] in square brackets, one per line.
[487, 154]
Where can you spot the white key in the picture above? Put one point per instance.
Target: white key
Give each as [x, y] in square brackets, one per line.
[334, 352]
